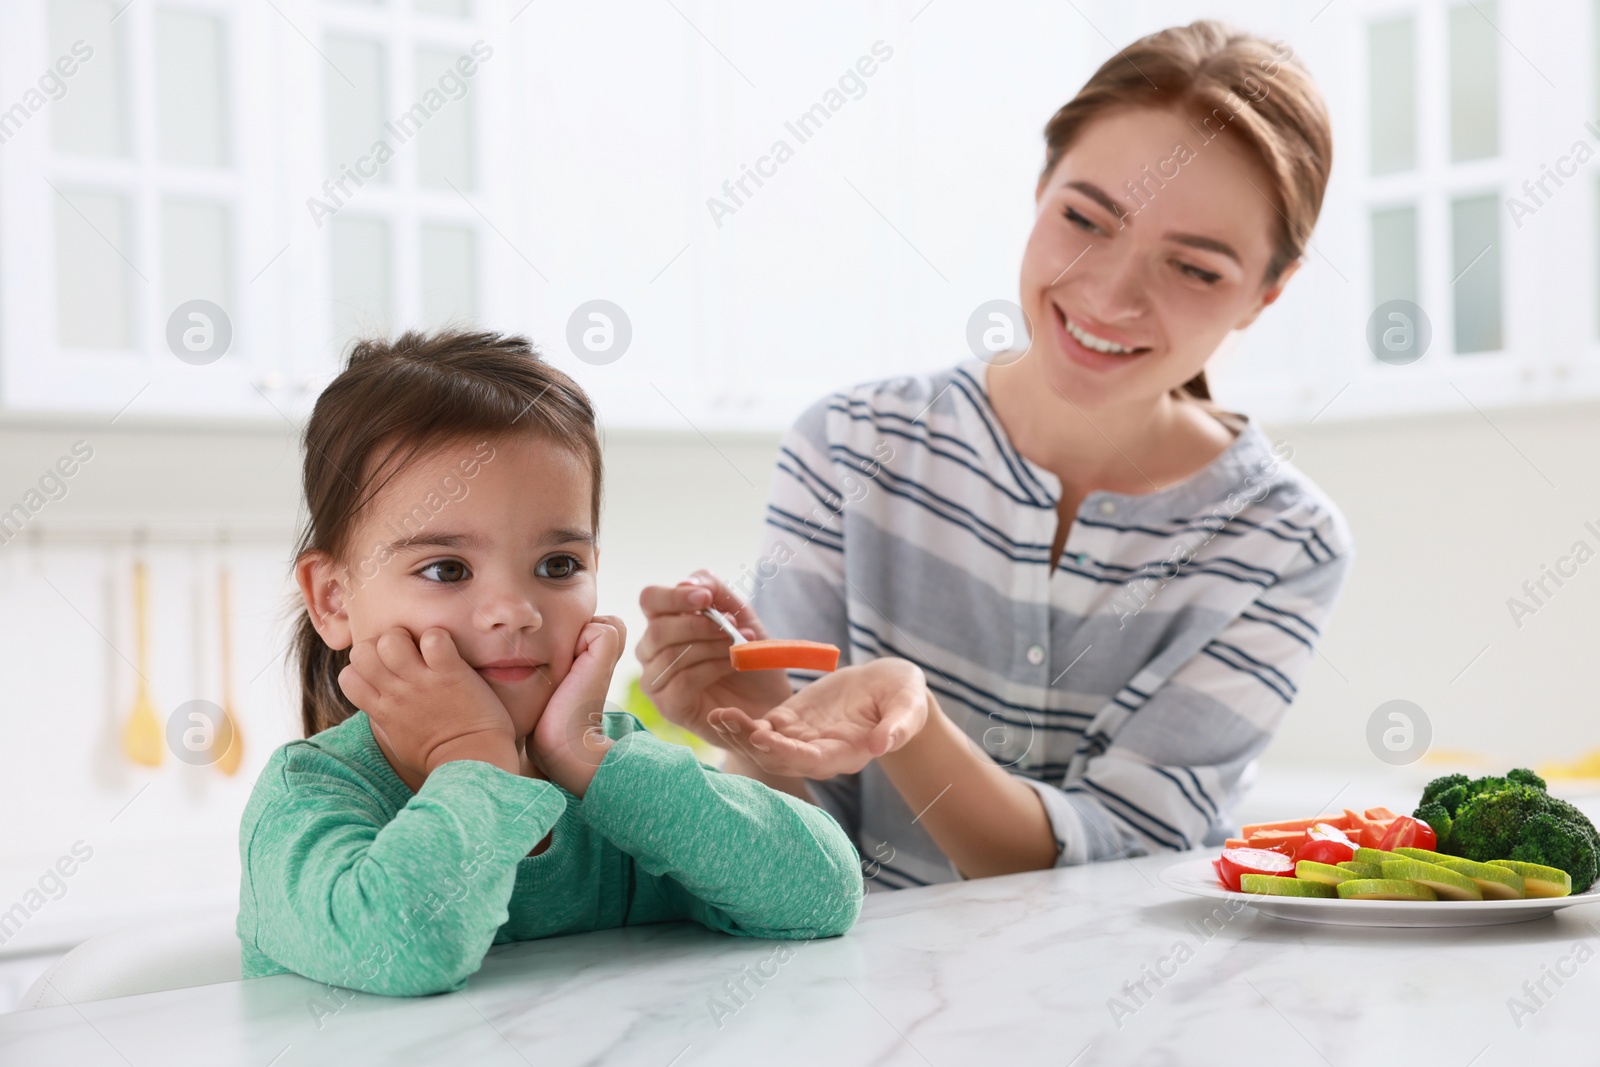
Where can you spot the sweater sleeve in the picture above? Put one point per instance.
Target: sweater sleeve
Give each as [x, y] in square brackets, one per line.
[721, 849]
[403, 907]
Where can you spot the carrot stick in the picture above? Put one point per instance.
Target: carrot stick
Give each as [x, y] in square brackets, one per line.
[782, 655]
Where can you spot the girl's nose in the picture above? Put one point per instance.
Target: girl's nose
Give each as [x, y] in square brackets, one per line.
[506, 608]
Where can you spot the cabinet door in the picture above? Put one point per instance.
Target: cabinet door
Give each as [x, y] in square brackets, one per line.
[129, 198]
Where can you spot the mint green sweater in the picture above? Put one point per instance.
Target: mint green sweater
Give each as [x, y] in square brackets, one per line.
[350, 878]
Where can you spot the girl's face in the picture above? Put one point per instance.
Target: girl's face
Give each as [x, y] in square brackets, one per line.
[1153, 239]
[490, 540]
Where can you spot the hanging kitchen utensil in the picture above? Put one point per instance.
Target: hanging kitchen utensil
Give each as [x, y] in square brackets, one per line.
[142, 737]
[229, 739]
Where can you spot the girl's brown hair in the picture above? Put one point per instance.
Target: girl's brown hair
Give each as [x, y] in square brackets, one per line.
[393, 402]
[1228, 80]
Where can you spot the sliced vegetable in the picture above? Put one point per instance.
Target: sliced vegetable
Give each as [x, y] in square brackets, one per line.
[1374, 855]
[1236, 862]
[775, 655]
[1539, 880]
[1311, 871]
[1296, 825]
[1284, 887]
[1407, 832]
[1494, 881]
[1445, 883]
[1324, 843]
[1362, 870]
[1384, 889]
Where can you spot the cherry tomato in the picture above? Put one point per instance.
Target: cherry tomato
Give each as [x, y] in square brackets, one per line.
[1325, 851]
[1237, 861]
[1405, 832]
[1325, 844]
[1426, 838]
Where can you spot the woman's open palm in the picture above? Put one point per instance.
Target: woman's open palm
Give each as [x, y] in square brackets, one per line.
[837, 724]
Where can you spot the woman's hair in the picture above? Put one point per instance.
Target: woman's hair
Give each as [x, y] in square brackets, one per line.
[394, 402]
[1228, 80]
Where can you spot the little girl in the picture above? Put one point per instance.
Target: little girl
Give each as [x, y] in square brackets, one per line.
[459, 785]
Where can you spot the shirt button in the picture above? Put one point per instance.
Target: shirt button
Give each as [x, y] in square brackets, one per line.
[1083, 559]
[1107, 508]
[1036, 654]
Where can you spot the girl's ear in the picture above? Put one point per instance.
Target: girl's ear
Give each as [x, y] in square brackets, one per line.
[320, 587]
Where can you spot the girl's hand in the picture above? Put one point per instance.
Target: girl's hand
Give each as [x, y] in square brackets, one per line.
[685, 656]
[837, 724]
[569, 741]
[426, 703]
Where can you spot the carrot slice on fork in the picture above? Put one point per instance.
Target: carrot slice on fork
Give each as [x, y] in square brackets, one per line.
[783, 655]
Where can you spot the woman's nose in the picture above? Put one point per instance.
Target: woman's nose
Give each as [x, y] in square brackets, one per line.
[1116, 287]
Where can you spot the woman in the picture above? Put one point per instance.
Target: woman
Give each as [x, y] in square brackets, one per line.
[1111, 586]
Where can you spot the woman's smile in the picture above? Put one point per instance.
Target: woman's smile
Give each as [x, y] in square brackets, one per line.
[1097, 350]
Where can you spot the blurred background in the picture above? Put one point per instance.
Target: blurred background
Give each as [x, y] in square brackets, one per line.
[203, 201]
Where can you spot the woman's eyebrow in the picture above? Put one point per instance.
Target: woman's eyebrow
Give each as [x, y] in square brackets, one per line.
[1101, 197]
[1209, 244]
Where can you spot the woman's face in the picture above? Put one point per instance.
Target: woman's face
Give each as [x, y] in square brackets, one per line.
[1150, 238]
[490, 540]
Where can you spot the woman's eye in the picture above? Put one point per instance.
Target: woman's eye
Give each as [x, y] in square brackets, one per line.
[1080, 221]
[562, 566]
[454, 571]
[1210, 277]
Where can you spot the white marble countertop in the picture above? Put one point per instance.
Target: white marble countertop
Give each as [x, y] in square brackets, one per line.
[1024, 969]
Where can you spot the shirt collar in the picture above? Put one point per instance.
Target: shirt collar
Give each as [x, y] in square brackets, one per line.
[1242, 468]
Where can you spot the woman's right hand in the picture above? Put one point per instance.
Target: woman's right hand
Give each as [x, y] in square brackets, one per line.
[687, 673]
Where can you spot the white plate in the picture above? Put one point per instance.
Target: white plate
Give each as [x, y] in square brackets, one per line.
[1198, 878]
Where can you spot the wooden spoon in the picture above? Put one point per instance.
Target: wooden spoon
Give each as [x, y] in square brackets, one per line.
[229, 739]
[142, 738]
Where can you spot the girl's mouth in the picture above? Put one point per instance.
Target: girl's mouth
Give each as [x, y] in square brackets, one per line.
[1091, 350]
[515, 673]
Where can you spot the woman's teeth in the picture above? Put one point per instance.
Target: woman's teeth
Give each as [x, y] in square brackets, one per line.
[1089, 340]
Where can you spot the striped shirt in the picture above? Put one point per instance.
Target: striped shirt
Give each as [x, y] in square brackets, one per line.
[1133, 685]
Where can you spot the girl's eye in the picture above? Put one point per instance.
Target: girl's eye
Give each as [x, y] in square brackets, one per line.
[454, 571]
[562, 566]
[1081, 221]
[1209, 277]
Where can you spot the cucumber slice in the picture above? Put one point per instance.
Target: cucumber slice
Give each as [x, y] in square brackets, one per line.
[1384, 889]
[1447, 884]
[1374, 855]
[1537, 879]
[1423, 854]
[1326, 873]
[1362, 870]
[1494, 881]
[1276, 885]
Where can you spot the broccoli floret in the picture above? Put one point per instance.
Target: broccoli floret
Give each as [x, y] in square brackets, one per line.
[1452, 799]
[1435, 789]
[1564, 838]
[1522, 822]
[1437, 816]
[1523, 776]
[1454, 790]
